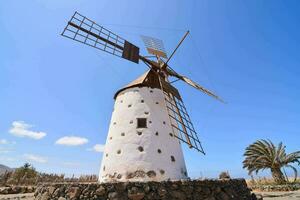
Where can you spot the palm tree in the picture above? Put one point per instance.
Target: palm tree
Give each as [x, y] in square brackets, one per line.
[263, 154]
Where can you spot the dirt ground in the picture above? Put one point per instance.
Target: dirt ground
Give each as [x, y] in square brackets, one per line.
[280, 195]
[267, 196]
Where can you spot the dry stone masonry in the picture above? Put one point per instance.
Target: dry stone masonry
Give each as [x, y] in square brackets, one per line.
[16, 190]
[233, 189]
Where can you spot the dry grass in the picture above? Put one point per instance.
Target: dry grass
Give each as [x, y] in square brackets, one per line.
[260, 181]
[263, 184]
[9, 179]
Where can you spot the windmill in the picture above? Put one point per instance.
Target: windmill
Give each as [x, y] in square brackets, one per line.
[149, 121]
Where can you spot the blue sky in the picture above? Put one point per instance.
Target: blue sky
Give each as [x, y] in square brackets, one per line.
[245, 51]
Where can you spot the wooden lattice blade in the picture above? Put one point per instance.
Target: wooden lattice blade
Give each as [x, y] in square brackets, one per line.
[84, 30]
[193, 84]
[181, 124]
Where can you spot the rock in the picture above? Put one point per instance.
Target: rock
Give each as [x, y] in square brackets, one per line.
[51, 190]
[174, 186]
[206, 190]
[210, 198]
[162, 192]
[217, 189]
[115, 196]
[62, 198]
[147, 188]
[100, 191]
[178, 195]
[45, 196]
[137, 196]
[56, 192]
[223, 196]
[73, 192]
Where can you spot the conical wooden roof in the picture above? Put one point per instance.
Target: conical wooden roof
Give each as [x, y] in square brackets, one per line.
[149, 79]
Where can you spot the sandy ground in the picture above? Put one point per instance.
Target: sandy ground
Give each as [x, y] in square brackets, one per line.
[267, 196]
[280, 195]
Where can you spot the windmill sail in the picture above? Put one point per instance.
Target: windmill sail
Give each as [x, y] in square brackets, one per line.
[185, 79]
[84, 30]
[182, 127]
[154, 46]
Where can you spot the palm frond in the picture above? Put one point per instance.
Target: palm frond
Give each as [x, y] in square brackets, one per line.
[263, 154]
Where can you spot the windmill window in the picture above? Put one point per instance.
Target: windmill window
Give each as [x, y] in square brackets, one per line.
[156, 102]
[131, 122]
[139, 132]
[121, 101]
[146, 113]
[106, 155]
[141, 122]
[150, 122]
[136, 90]
[129, 105]
[110, 138]
[171, 134]
[162, 172]
[103, 168]
[115, 123]
[142, 101]
[151, 91]
[164, 122]
[119, 151]
[141, 149]
[156, 133]
[158, 150]
[122, 134]
[172, 159]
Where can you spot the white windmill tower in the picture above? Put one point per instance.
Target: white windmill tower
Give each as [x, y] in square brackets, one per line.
[149, 120]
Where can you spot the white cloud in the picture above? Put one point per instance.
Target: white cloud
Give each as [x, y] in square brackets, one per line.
[3, 141]
[35, 158]
[97, 148]
[72, 141]
[21, 129]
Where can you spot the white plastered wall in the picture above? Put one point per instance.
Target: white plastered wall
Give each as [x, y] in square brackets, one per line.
[123, 159]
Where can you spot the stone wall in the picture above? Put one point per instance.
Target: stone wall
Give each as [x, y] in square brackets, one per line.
[17, 189]
[235, 189]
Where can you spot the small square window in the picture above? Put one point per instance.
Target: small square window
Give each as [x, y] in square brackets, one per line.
[141, 122]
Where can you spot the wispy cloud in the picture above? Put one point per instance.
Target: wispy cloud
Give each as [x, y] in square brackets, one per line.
[97, 148]
[3, 141]
[72, 141]
[21, 129]
[35, 158]
[6, 142]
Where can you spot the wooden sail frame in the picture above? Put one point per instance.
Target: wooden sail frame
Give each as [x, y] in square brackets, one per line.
[86, 31]
[181, 124]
